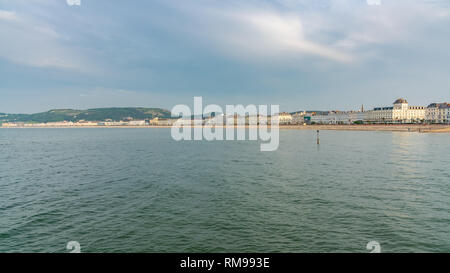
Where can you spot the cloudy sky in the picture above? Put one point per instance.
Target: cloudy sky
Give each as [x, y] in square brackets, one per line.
[300, 54]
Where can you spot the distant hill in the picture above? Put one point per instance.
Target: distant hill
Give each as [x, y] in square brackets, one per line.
[97, 114]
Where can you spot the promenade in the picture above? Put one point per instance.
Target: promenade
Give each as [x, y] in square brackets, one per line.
[420, 128]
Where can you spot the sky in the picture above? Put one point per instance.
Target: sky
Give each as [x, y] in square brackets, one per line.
[299, 54]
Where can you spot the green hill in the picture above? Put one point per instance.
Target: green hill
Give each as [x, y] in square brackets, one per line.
[97, 114]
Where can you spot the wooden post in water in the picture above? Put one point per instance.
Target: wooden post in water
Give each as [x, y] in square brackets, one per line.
[318, 139]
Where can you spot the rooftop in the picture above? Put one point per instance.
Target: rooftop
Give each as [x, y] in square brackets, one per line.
[400, 100]
[439, 105]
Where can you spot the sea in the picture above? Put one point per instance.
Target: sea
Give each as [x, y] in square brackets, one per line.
[137, 190]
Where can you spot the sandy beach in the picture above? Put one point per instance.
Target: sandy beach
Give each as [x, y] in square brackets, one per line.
[421, 128]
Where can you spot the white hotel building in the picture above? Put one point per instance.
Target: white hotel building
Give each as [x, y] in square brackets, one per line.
[401, 112]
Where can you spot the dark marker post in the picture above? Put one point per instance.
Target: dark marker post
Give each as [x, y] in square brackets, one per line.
[318, 139]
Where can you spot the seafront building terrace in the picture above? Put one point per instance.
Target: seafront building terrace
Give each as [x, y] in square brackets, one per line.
[400, 113]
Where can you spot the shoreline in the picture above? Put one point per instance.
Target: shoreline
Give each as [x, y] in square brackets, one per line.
[419, 128]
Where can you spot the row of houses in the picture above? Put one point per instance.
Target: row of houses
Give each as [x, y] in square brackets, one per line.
[438, 113]
[82, 123]
[90, 123]
[400, 112]
[50, 124]
[281, 118]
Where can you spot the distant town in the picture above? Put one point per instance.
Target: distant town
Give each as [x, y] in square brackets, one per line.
[398, 113]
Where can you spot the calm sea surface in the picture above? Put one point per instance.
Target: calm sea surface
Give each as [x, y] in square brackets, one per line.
[137, 190]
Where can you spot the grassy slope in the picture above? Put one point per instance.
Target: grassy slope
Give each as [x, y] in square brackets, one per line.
[98, 114]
